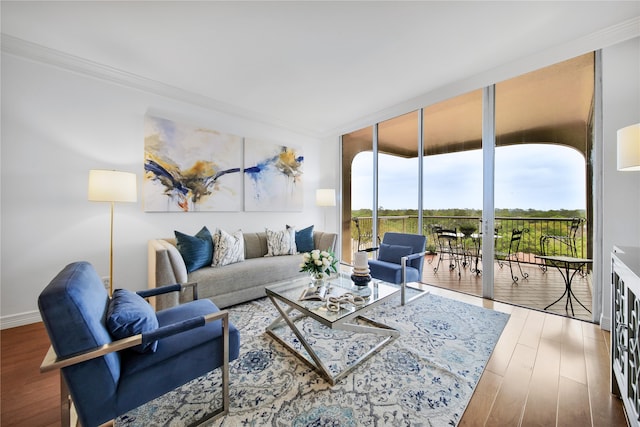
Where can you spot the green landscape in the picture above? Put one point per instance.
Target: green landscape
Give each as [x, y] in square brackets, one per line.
[535, 223]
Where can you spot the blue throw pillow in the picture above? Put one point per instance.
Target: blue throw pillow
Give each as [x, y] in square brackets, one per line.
[197, 251]
[393, 253]
[304, 239]
[129, 314]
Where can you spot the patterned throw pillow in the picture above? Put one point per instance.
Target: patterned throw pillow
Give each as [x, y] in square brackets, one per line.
[281, 242]
[227, 248]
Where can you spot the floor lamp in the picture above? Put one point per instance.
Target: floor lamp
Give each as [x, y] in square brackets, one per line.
[325, 197]
[111, 186]
[629, 148]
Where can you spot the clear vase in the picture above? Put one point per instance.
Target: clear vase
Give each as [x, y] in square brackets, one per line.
[317, 278]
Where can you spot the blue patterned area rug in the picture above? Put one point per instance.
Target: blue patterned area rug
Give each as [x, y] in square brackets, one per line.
[424, 377]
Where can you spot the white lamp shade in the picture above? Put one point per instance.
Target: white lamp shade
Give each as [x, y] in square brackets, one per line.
[112, 186]
[629, 148]
[325, 197]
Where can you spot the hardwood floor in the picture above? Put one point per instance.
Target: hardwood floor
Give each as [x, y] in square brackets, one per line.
[546, 370]
[538, 290]
[29, 398]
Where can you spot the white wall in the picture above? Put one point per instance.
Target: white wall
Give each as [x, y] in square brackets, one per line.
[621, 190]
[56, 125]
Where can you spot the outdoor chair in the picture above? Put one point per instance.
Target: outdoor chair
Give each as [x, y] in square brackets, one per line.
[115, 354]
[365, 234]
[449, 247]
[512, 255]
[567, 244]
[400, 260]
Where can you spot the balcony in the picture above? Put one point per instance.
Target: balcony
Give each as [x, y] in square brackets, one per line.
[541, 287]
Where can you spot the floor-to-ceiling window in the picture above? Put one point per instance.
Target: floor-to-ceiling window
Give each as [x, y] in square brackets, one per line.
[357, 191]
[543, 123]
[452, 185]
[398, 174]
[541, 175]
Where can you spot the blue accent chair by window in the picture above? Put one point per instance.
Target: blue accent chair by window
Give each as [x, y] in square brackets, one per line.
[105, 374]
[400, 260]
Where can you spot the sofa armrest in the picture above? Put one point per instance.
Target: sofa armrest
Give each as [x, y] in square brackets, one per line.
[325, 241]
[166, 266]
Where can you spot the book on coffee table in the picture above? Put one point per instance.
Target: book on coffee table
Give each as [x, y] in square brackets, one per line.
[315, 293]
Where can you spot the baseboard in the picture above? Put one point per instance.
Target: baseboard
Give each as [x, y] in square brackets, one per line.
[605, 323]
[20, 319]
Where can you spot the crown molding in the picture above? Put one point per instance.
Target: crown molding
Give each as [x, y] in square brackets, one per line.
[52, 57]
[609, 36]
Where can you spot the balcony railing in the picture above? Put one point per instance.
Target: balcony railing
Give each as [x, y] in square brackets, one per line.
[551, 236]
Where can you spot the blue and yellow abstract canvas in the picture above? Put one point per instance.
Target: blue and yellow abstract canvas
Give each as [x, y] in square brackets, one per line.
[273, 177]
[190, 168]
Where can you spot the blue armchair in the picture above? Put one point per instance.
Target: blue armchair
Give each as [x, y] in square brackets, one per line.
[400, 260]
[106, 374]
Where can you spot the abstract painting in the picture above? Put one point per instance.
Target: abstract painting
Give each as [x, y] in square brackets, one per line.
[272, 177]
[190, 168]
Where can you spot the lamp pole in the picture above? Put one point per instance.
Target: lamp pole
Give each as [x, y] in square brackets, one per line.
[111, 186]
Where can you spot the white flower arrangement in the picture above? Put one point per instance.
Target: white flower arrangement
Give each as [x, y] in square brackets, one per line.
[319, 262]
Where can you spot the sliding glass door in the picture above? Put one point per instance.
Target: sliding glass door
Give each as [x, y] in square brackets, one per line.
[541, 176]
[452, 190]
[398, 182]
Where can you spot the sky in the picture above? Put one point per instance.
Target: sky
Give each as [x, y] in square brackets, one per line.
[527, 176]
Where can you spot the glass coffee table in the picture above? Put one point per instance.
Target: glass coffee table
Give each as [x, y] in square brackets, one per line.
[285, 296]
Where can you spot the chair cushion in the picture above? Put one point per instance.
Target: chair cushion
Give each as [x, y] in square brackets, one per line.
[197, 251]
[391, 272]
[393, 253]
[129, 314]
[179, 359]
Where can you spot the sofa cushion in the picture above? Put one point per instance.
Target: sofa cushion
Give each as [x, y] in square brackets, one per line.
[255, 245]
[227, 248]
[304, 239]
[129, 314]
[393, 253]
[244, 281]
[197, 251]
[281, 242]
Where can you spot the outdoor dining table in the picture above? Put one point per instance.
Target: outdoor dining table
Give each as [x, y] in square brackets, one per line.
[565, 264]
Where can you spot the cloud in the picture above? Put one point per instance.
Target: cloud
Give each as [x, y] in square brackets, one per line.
[527, 176]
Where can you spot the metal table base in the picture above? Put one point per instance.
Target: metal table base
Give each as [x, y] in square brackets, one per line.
[346, 324]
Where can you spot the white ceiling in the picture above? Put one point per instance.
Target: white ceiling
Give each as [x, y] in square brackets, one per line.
[314, 67]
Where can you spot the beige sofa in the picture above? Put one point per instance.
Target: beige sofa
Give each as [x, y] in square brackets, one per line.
[231, 284]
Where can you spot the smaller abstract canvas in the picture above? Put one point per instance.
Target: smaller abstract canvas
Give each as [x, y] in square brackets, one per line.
[272, 177]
